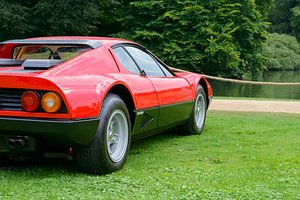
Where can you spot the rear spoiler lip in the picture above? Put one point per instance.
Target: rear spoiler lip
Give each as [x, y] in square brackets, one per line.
[94, 44]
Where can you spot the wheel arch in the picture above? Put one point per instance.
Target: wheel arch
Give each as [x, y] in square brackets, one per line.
[124, 93]
[204, 84]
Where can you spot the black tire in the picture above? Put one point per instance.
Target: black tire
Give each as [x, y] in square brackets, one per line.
[3, 158]
[190, 127]
[95, 159]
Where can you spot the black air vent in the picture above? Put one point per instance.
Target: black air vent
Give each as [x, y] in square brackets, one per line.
[10, 62]
[37, 64]
[10, 99]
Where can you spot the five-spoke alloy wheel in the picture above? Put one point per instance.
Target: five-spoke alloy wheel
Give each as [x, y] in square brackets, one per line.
[109, 148]
[117, 135]
[195, 124]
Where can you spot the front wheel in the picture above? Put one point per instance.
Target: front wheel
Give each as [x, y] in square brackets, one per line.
[109, 149]
[195, 124]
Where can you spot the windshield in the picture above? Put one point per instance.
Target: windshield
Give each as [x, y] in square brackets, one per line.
[60, 52]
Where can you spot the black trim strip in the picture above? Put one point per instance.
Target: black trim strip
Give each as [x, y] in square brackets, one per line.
[166, 105]
[178, 103]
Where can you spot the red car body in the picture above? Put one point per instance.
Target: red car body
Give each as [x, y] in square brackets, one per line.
[83, 83]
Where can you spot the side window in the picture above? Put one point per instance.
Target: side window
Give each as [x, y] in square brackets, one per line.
[145, 62]
[168, 74]
[126, 60]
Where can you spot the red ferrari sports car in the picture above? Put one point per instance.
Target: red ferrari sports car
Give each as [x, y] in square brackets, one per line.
[91, 96]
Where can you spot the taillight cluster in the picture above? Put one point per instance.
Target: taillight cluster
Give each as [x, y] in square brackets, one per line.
[32, 101]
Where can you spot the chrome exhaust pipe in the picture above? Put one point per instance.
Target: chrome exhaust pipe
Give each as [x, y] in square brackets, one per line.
[11, 143]
[21, 143]
[18, 143]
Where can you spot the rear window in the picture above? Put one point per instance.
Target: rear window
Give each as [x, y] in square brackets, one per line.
[48, 52]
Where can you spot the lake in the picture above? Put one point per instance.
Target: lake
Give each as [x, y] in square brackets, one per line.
[228, 89]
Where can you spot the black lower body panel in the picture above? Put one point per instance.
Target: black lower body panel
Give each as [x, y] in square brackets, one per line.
[56, 132]
[155, 120]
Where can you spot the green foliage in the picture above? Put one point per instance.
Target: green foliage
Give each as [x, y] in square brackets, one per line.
[14, 20]
[282, 52]
[295, 21]
[216, 37]
[20, 19]
[285, 17]
[280, 16]
[239, 156]
[65, 17]
[108, 20]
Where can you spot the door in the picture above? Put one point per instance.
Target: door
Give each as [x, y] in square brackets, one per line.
[175, 96]
[147, 110]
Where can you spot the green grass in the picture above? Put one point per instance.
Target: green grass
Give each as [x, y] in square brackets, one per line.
[239, 156]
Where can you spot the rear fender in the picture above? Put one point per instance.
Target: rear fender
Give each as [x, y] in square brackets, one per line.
[32, 83]
[85, 94]
[195, 80]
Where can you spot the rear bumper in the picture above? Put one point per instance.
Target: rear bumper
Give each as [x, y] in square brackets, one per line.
[56, 132]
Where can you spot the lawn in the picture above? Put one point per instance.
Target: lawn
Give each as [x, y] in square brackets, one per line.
[239, 156]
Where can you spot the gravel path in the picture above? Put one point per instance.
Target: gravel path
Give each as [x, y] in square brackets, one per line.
[256, 106]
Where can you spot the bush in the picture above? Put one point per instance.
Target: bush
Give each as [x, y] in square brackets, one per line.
[282, 52]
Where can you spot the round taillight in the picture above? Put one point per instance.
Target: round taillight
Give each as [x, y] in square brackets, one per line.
[51, 102]
[30, 101]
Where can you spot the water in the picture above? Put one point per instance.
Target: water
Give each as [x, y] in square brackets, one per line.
[227, 89]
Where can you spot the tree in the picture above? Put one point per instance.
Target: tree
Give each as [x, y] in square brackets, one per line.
[14, 20]
[281, 14]
[295, 22]
[216, 37]
[65, 17]
[221, 37]
[20, 19]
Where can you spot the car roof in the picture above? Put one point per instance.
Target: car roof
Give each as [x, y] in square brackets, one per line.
[91, 43]
[104, 40]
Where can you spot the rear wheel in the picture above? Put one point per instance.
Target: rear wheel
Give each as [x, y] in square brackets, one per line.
[109, 149]
[195, 123]
[3, 156]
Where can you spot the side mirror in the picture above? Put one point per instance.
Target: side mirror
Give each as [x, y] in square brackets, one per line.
[143, 73]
